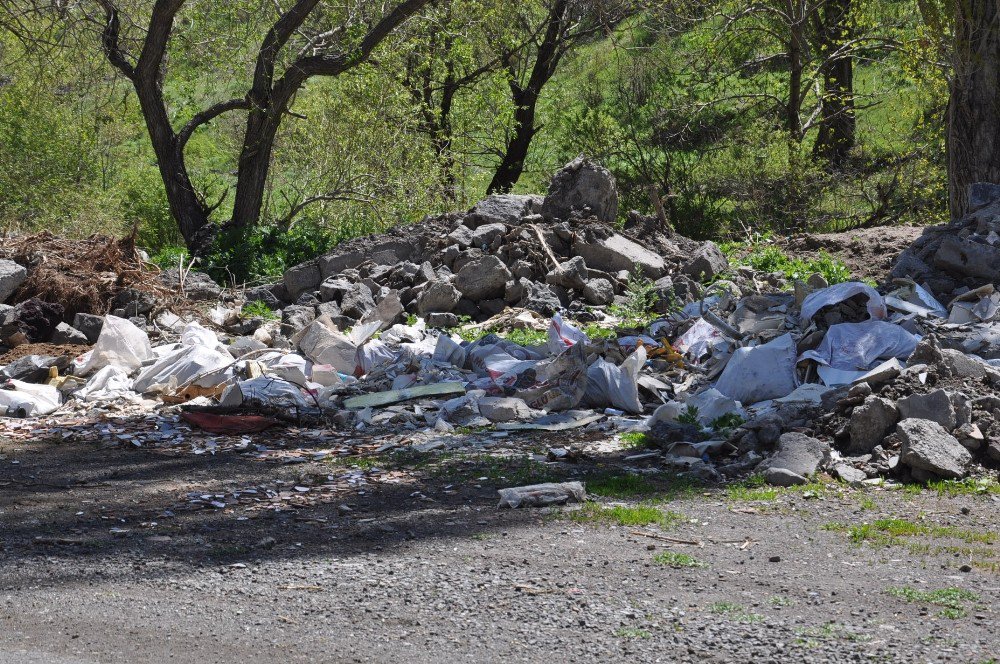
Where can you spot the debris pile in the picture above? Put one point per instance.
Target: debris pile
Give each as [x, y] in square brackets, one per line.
[750, 375]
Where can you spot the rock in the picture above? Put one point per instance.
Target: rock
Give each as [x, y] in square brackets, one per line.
[817, 281]
[138, 303]
[849, 474]
[908, 266]
[505, 208]
[462, 236]
[504, 409]
[486, 234]
[993, 450]
[357, 301]
[12, 276]
[961, 365]
[936, 406]
[540, 298]
[197, 285]
[970, 436]
[928, 447]
[388, 310]
[308, 299]
[982, 194]
[617, 253]
[263, 294]
[582, 184]
[968, 258]
[599, 291]
[707, 263]
[437, 297]
[442, 320]
[798, 455]
[926, 352]
[334, 289]
[90, 325]
[243, 345]
[64, 334]
[870, 423]
[331, 309]
[783, 477]
[335, 263]
[571, 274]
[295, 317]
[302, 278]
[484, 278]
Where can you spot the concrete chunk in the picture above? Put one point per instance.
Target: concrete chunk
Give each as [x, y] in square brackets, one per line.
[12, 276]
[928, 447]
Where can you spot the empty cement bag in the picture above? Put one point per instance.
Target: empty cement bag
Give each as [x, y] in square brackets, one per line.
[760, 373]
[18, 399]
[858, 346]
[542, 495]
[608, 385]
[838, 293]
[204, 366]
[120, 344]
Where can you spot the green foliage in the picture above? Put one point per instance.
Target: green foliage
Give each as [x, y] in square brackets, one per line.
[258, 309]
[770, 258]
[677, 560]
[640, 296]
[951, 599]
[634, 439]
[689, 416]
[526, 337]
[726, 422]
[627, 485]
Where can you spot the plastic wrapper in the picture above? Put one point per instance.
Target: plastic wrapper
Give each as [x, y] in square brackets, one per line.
[562, 335]
[838, 293]
[542, 495]
[205, 366]
[120, 344]
[615, 386]
[761, 372]
[19, 399]
[858, 346]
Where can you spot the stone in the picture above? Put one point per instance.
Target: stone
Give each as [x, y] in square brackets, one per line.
[331, 309]
[540, 298]
[302, 278]
[504, 409]
[616, 253]
[849, 474]
[437, 297]
[333, 289]
[263, 294]
[783, 477]
[935, 406]
[993, 450]
[927, 351]
[90, 325]
[243, 345]
[970, 436]
[490, 308]
[599, 292]
[65, 334]
[570, 274]
[505, 208]
[357, 301]
[961, 365]
[484, 278]
[515, 290]
[707, 263]
[928, 447]
[295, 317]
[582, 185]
[817, 281]
[12, 276]
[388, 310]
[870, 423]
[982, 194]
[486, 234]
[137, 303]
[197, 285]
[441, 320]
[308, 299]
[968, 258]
[798, 455]
[461, 236]
[909, 266]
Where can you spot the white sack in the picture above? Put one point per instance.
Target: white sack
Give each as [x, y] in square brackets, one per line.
[32, 398]
[838, 293]
[858, 346]
[120, 344]
[760, 373]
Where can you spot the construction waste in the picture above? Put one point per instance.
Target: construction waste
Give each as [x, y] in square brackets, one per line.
[406, 331]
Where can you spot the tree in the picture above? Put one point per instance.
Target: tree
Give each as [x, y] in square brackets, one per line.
[305, 40]
[836, 134]
[974, 104]
[564, 25]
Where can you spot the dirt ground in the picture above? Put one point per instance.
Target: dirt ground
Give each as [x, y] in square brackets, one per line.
[867, 252]
[104, 560]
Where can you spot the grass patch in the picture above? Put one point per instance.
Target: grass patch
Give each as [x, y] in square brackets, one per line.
[595, 332]
[966, 487]
[634, 440]
[765, 257]
[752, 489]
[362, 462]
[952, 600]
[828, 632]
[632, 633]
[735, 612]
[677, 560]
[867, 504]
[621, 486]
[526, 337]
[626, 515]
[258, 309]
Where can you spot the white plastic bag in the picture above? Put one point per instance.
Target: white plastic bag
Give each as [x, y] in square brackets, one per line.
[120, 344]
[858, 346]
[106, 384]
[266, 391]
[838, 293]
[195, 334]
[699, 340]
[760, 373]
[562, 335]
[616, 386]
[28, 399]
[209, 366]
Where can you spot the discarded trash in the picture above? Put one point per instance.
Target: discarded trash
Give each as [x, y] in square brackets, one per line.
[395, 396]
[542, 495]
[761, 372]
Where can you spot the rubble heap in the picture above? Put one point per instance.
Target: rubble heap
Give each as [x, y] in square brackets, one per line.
[751, 375]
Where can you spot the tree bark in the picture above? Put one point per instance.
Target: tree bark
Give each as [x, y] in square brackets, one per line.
[796, 46]
[837, 119]
[974, 104]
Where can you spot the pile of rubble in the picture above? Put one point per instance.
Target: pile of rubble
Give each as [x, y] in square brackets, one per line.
[751, 375]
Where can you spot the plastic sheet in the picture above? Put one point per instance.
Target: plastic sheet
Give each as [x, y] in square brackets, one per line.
[542, 495]
[209, 366]
[838, 293]
[563, 335]
[106, 384]
[760, 373]
[19, 399]
[858, 346]
[615, 386]
[120, 344]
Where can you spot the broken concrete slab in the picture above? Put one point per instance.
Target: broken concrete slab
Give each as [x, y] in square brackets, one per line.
[936, 406]
[302, 278]
[707, 263]
[582, 185]
[928, 447]
[798, 456]
[569, 274]
[504, 409]
[484, 278]
[968, 258]
[870, 423]
[437, 297]
[12, 276]
[616, 253]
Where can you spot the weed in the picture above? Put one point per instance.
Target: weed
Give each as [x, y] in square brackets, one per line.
[595, 332]
[726, 422]
[677, 560]
[632, 633]
[634, 439]
[966, 487]
[769, 258]
[780, 600]
[952, 600]
[640, 296]
[258, 309]
[751, 489]
[526, 337]
[411, 319]
[622, 515]
[689, 416]
[868, 503]
[735, 612]
[362, 462]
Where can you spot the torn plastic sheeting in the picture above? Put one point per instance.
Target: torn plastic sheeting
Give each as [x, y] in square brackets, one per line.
[915, 299]
[106, 384]
[615, 386]
[323, 345]
[713, 404]
[231, 425]
[562, 335]
[491, 344]
[562, 381]
[449, 351]
[564, 421]
[265, 391]
[209, 366]
[374, 353]
[288, 366]
[120, 344]
[838, 377]
[838, 293]
[761, 372]
[699, 340]
[542, 495]
[395, 396]
[194, 334]
[19, 399]
[858, 346]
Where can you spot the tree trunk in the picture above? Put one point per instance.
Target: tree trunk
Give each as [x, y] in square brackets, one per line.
[837, 120]
[512, 165]
[796, 46]
[254, 164]
[974, 106]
